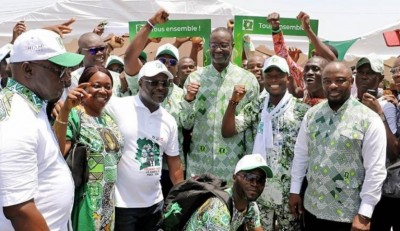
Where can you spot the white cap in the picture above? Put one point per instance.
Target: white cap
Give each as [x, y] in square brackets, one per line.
[276, 61]
[168, 49]
[374, 60]
[114, 59]
[5, 50]
[253, 161]
[42, 44]
[154, 68]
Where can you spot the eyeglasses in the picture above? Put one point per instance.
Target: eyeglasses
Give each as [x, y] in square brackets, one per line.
[395, 70]
[219, 45]
[155, 83]
[53, 69]
[253, 178]
[94, 50]
[172, 62]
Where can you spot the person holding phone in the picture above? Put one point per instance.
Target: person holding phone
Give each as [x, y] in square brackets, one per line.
[369, 75]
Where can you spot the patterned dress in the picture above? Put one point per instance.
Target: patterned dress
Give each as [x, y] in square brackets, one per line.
[214, 215]
[274, 199]
[94, 202]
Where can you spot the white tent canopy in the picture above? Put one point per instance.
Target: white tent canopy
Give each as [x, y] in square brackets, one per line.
[374, 43]
[89, 13]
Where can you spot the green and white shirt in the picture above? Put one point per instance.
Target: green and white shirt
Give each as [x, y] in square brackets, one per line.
[215, 215]
[209, 151]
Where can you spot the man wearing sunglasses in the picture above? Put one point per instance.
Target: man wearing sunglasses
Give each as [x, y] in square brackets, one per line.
[147, 128]
[167, 54]
[36, 187]
[249, 179]
[94, 49]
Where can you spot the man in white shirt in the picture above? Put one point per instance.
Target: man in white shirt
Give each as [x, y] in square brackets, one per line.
[342, 146]
[36, 186]
[150, 134]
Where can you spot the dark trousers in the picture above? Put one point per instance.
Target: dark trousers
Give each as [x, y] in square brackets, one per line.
[312, 223]
[386, 215]
[138, 219]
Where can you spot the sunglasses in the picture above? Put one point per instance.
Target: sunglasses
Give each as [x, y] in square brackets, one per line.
[171, 62]
[94, 50]
[155, 83]
[53, 69]
[253, 178]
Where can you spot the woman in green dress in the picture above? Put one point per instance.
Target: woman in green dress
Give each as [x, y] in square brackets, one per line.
[82, 114]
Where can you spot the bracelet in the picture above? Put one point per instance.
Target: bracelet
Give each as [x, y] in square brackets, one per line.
[233, 102]
[150, 24]
[276, 31]
[61, 122]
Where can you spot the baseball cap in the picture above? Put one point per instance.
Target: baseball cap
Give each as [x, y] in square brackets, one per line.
[276, 61]
[114, 59]
[374, 60]
[154, 68]
[42, 44]
[5, 50]
[253, 161]
[168, 49]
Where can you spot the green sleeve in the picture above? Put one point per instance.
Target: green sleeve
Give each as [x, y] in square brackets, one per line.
[73, 118]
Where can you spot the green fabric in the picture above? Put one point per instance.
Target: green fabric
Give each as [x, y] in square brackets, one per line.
[333, 191]
[215, 215]
[209, 151]
[342, 46]
[95, 211]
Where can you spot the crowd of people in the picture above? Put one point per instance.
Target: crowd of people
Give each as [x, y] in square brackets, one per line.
[302, 147]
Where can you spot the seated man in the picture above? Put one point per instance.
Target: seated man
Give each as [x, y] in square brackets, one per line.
[248, 183]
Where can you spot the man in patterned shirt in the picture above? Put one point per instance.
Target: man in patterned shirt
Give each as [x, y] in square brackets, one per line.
[248, 183]
[275, 118]
[207, 94]
[342, 143]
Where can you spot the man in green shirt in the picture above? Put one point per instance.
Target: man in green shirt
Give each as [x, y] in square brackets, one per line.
[207, 94]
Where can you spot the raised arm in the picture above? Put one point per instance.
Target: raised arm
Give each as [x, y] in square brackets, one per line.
[321, 48]
[132, 61]
[228, 128]
[74, 98]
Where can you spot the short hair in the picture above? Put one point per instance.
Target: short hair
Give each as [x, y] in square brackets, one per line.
[223, 29]
[89, 71]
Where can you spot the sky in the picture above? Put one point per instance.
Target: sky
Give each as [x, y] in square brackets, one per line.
[338, 19]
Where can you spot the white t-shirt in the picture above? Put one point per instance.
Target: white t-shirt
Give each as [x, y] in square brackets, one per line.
[146, 137]
[31, 166]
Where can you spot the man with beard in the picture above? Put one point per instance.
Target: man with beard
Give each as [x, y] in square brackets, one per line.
[207, 95]
[275, 119]
[342, 143]
[36, 187]
[248, 183]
